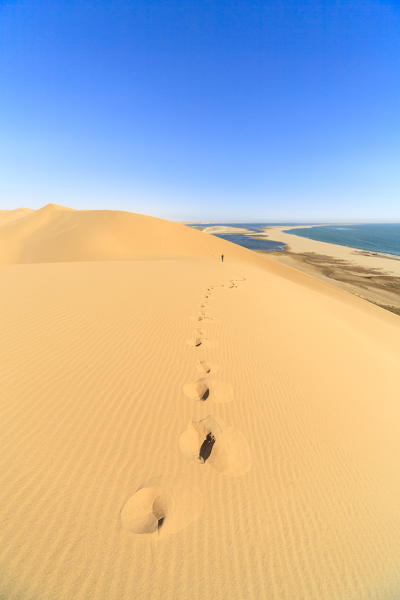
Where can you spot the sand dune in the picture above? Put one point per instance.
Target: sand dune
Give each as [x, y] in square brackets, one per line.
[58, 234]
[147, 454]
[6, 216]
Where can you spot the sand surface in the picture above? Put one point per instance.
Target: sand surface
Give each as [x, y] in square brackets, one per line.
[177, 428]
[225, 229]
[6, 216]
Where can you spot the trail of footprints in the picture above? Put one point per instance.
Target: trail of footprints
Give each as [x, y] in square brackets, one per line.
[209, 440]
[162, 507]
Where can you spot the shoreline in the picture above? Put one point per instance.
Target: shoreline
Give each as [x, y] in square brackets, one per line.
[370, 275]
[279, 229]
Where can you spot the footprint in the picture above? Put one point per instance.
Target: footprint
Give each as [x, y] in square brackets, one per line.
[204, 367]
[218, 391]
[198, 390]
[197, 340]
[162, 508]
[201, 317]
[145, 511]
[223, 448]
[205, 318]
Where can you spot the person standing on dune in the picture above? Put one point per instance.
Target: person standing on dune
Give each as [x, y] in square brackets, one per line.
[222, 258]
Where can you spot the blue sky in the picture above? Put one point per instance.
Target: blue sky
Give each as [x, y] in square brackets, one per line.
[199, 109]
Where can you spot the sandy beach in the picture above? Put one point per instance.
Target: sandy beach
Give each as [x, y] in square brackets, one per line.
[174, 427]
[370, 275]
[225, 229]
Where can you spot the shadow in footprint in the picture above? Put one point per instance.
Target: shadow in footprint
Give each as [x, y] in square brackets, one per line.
[198, 390]
[206, 447]
[196, 341]
[224, 448]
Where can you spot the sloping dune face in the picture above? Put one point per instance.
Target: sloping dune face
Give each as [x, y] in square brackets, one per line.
[58, 234]
[6, 216]
[180, 428]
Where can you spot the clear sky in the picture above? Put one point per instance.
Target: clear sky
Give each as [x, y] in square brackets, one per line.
[200, 109]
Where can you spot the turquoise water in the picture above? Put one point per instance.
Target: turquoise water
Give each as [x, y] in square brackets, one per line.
[372, 237]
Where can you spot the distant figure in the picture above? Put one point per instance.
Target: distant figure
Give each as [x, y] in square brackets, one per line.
[222, 258]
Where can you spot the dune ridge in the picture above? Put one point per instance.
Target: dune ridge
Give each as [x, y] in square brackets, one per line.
[145, 453]
[59, 234]
[6, 216]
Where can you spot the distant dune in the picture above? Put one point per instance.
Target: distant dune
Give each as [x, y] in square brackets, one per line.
[58, 234]
[6, 216]
[177, 428]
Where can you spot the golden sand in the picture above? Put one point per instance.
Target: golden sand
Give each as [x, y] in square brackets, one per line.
[177, 428]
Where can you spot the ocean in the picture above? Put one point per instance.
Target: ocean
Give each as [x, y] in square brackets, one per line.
[372, 237]
[378, 237]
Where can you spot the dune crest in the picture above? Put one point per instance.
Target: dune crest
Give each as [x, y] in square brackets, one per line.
[6, 216]
[55, 233]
